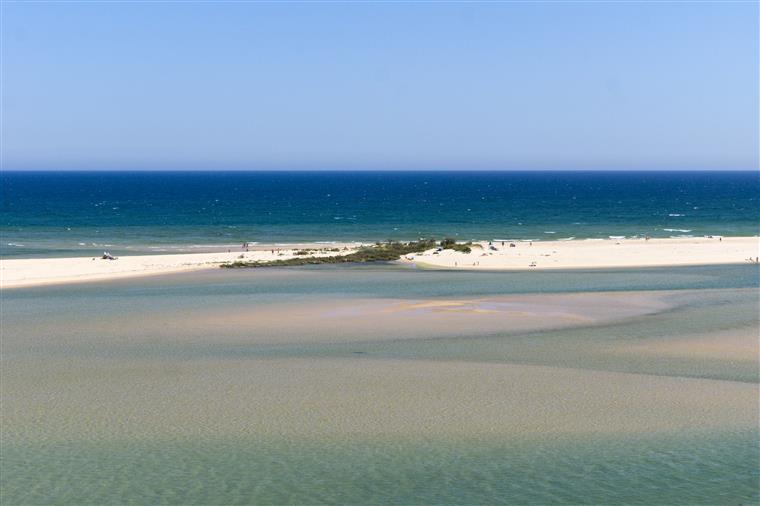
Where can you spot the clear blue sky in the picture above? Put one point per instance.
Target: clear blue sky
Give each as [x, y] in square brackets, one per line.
[380, 86]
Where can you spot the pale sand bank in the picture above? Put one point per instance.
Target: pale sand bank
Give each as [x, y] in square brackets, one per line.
[587, 254]
[20, 272]
[591, 254]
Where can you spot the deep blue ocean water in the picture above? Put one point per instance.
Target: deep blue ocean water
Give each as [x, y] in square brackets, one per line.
[54, 213]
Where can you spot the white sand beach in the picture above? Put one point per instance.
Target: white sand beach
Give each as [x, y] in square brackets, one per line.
[594, 253]
[48, 271]
[580, 254]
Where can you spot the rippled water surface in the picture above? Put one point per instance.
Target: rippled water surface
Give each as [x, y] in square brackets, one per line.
[639, 470]
[55, 214]
[384, 385]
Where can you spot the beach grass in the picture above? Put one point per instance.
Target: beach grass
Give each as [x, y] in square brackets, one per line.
[378, 252]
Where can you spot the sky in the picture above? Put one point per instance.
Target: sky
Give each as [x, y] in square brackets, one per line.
[379, 85]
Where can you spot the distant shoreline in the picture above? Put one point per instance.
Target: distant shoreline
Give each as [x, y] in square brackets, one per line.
[147, 213]
[125, 250]
[517, 255]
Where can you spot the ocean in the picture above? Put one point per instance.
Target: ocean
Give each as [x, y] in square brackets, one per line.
[82, 213]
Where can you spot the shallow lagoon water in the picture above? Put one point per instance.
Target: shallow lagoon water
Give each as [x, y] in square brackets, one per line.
[341, 385]
[696, 469]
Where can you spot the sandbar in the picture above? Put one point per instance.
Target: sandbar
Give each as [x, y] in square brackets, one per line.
[485, 255]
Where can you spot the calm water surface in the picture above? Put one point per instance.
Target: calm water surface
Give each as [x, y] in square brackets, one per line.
[114, 393]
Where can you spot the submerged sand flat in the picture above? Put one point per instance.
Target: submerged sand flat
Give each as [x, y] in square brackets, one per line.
[738, 346]
[287, 387]
[337, 320]
[95, 400]
[609, 253]
[383, 367]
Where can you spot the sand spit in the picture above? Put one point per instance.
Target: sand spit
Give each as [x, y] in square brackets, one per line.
[590, 254]
[16, 273]
[507, 255]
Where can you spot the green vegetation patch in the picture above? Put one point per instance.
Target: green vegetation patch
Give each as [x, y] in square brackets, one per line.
[379, 252]
[450, 243]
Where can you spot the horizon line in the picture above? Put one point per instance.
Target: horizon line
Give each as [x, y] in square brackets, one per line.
[122, 170]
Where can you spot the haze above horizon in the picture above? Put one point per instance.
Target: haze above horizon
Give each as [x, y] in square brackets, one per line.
[437, 86]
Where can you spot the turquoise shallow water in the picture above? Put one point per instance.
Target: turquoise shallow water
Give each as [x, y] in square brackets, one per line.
[118, 393]
[219, 287]
[662, 469]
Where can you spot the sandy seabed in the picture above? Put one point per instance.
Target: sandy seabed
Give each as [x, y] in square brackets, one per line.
[184, 390]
